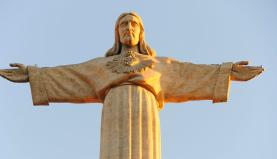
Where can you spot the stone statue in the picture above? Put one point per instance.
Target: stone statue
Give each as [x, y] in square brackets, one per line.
[133, 85]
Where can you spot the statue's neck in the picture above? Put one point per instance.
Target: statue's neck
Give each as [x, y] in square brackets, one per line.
[125, 49]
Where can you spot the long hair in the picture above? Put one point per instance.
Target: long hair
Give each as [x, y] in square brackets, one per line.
[143, 47]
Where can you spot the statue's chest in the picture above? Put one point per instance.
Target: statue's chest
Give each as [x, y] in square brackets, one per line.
[135, 68]
[130, 63]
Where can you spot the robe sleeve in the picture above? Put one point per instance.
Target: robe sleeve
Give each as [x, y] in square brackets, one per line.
[68, 83]
[184, 81]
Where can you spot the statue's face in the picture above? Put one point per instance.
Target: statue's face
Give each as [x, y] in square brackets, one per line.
[129, 30]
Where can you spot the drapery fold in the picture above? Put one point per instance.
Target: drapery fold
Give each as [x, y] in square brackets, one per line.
[130, 126]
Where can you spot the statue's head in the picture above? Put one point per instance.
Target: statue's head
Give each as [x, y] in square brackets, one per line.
[129, 31]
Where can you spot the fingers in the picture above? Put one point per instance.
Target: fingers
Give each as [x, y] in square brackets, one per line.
[1, 73]
[245, 73]
[19, 65]
[253, 73]
[262, 68]
[255, 68]
[242, 63]
[259, 70]
[6, 75]
[5, 72]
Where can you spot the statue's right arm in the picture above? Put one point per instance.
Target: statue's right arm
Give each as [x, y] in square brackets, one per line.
[66, 83]
[18, 75]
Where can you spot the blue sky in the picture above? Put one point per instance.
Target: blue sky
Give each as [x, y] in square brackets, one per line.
[56, 32]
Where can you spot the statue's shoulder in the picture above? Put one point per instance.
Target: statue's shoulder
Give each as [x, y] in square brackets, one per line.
[163, 59]
[98, 61]
[169, 60]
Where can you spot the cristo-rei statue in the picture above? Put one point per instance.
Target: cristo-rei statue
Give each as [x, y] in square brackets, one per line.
[133, 85]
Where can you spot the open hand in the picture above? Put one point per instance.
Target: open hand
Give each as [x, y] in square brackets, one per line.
[242, 72]
[19, 74]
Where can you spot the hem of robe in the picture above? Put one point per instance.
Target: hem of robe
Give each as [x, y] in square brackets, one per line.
[39, 94]
[221, 90]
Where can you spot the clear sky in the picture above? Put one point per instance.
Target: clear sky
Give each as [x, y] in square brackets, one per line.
[56, 32]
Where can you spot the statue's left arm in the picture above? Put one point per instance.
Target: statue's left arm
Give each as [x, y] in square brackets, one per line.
[241, 72]
[183, 81]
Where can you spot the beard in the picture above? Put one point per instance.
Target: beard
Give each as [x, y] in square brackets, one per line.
[129, 40]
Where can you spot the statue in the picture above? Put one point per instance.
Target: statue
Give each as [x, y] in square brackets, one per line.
[133, 85]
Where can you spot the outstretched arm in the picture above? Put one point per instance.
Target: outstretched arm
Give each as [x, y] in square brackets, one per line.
[68, 83]
[183, 81]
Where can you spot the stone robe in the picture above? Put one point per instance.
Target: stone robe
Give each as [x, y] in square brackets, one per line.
[130, 126]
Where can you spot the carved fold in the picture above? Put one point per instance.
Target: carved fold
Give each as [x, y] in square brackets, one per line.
[39, 94]
[221, 90]
[130, 127]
